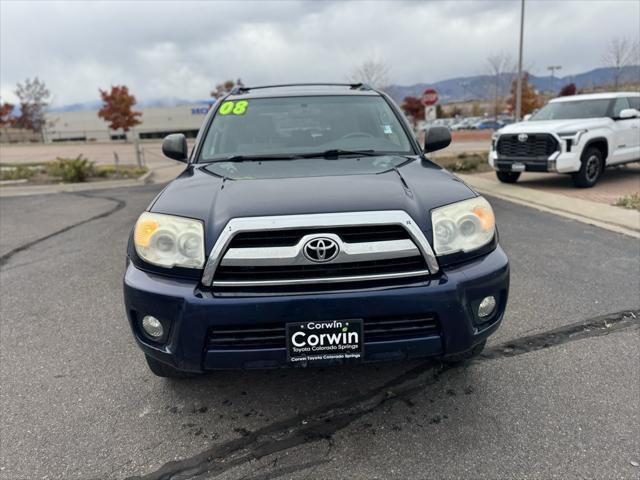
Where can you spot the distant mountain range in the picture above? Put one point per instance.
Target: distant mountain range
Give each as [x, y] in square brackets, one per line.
[153, 103]
[477, 87]
[481, 87]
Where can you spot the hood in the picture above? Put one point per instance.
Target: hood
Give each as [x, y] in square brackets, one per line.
[555, 126]
[416, 188]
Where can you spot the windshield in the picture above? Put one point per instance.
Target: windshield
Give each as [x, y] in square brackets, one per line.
[574, 109]
[298, 125]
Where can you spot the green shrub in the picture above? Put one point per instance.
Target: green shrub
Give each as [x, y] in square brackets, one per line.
[122, 171]
[630, 201]
[71, 169]
[17, 173]
[467, 163]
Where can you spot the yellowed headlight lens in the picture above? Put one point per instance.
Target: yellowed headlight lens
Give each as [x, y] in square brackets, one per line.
[486, 217]
[144, 230]
[169, 241]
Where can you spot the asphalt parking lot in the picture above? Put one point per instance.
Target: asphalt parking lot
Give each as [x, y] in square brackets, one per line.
[556, 394]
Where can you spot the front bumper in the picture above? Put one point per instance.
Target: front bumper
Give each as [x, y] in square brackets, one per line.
[561, 162]
[189, 313]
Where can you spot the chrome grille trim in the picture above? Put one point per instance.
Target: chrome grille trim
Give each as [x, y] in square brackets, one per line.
[306, 281]
[320, 220]
[349, 252]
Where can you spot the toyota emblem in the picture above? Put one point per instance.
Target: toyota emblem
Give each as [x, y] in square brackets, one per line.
[321, 249]
[523, 137]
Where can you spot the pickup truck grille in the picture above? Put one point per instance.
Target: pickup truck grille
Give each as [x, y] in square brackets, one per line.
[539, 145]
[272, 335]
[274, 255]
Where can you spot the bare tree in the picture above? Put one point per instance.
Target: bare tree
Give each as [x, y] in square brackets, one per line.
[620, 53]
[34, 98]
[373, 72]
[501, 69]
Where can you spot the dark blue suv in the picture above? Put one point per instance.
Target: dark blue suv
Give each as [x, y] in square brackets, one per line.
[308, 228]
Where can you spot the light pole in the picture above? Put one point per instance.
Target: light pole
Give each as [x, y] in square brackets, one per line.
[519, 82]
[553, 68]
[464, 86]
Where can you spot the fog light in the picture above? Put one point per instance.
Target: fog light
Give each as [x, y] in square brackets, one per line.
[152, 326]
[487, 306]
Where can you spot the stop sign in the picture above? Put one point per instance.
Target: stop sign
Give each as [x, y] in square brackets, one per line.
[429, 97]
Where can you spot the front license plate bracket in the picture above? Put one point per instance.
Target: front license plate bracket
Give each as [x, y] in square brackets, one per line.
[325, 341]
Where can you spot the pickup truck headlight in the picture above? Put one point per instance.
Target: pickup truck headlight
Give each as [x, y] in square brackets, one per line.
[494, 140]
[168, 241]
[462, 226]
[574, 135]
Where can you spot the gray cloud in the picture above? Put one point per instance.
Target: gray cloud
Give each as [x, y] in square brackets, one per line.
[181, 49]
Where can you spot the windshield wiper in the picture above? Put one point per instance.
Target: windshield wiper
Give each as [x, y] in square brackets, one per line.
[338, 152]
[332, 154]
[253, 158]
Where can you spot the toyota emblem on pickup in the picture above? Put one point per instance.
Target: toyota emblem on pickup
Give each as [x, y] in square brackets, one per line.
[523, 137]
[321, 249]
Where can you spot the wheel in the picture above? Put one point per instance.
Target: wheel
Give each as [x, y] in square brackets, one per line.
[459, 358]
[508, 177]
[166, 371]
[591, 168]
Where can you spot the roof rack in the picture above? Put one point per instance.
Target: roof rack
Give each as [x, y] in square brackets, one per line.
[352, 86]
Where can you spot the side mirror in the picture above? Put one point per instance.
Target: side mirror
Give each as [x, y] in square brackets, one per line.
[436, 138]
[629, 113]
[175, 147]
[526, 117]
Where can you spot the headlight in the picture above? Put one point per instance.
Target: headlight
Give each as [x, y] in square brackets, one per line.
[494, 139]
[462, 226]
[574, 136]
[168, 241]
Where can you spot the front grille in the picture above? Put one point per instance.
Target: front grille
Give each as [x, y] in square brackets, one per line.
[298, 272]
[272, 335]
[320, 252]
[539, 145]
[284, 238]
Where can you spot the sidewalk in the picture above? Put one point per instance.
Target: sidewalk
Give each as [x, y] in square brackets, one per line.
[612, 218]
[24, 190]
[158, 173]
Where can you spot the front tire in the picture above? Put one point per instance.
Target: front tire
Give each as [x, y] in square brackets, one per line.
[591, 168]
[508, 177]
[165, 371]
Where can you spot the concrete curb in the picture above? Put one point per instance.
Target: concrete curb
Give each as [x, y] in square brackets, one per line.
[615, 219]
[20, 191]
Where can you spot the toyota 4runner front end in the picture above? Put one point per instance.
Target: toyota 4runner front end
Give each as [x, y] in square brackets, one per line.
[309, 229]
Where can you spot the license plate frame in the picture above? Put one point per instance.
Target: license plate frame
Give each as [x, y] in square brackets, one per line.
[325, 341]
[518, 167]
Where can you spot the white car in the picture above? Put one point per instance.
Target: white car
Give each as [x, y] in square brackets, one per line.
[579, 134]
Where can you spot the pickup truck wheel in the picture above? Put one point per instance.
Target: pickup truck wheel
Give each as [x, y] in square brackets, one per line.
[508, 177]
[460, 358]
[166, 371]
[590, 170]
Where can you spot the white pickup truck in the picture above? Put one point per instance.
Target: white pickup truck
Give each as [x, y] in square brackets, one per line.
[579, 134]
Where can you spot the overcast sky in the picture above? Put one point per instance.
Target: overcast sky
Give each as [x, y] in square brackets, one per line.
[181, 49]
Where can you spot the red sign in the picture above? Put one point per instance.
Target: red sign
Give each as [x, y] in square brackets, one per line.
[429, 97]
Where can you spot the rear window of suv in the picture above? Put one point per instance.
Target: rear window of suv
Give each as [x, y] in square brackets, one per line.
[291, 125]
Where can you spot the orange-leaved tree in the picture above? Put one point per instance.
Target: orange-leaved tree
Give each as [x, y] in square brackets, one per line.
[6, 109]
[413, 107]
[118, 108]
[568, 89]
[530, 98]
[225, 87]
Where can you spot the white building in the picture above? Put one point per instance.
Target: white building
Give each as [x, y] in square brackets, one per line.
[86, 126]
